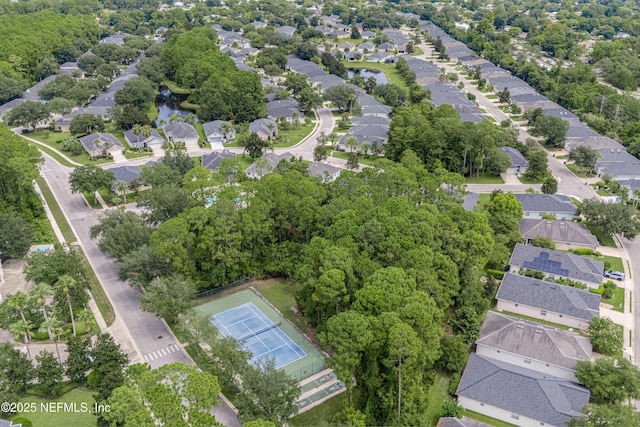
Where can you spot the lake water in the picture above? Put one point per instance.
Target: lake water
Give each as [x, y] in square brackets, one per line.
[381, 78]
[168, 103]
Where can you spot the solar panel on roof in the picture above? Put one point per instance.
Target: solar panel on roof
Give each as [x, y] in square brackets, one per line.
[543, 263]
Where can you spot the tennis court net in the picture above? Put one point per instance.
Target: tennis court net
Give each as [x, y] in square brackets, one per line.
[258, 332]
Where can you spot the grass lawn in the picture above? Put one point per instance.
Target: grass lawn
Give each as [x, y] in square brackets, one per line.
[603, 239]
[484, 179]
[393, 76]
[93, 202]
[200, 129]
[281, 294]
[151, 111]
[483, 200]
[611, 262]
[562, 157]
[617, 301]
[244, 161]
[486, 419]
[63, 418]
[603, 192]
[322, 414]
[53, 139]
[96, 288]
[576, 170]
[438, 391]
[135, 154]
[529, 180]
[416, 51]
[365, 160]
[53, 153]
[173, 87]
[492, 96]
[289, 138]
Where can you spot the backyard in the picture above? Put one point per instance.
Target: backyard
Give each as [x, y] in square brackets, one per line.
[484, 178]
[53, 140]
[393, 76]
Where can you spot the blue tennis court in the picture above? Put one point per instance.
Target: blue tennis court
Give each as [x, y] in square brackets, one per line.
[263, 338]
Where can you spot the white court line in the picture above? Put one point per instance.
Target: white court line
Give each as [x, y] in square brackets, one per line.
[268, 351]
[145, 358]
[162, 350]
[154, 353]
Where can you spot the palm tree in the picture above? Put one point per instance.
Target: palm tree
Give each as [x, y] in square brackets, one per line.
[53, 326]
[137, 129]
[190, 118]
[271, 127]
[146, 131]
[174, 118]
[22, 327]
[226, 129]
[87, 317]
[351, 143]
[40, 293]
[364, 147]
[333, 137]
[636, 193]
[66, 284]
[121, 187]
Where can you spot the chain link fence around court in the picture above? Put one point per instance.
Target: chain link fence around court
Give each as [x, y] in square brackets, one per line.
[220, 289]
[306, 371]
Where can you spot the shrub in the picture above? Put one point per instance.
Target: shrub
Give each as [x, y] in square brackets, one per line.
[471, 97]
[609, 289]
[597, 253]
[455, 380]
[497, 274]
[599, 290]
[583, 252]
[534, 273]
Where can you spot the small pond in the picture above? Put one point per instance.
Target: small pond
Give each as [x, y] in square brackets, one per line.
[381, 78]
[168, 103]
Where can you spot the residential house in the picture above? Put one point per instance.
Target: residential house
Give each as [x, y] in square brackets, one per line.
[565, 234]
[32, 94]
[378, 57]
[402, 48]
[117, 39]
[618, 163]
[286, 31]
[257, 171]
[367, 35]
[219, 132]
[264, 128]
[7, 106]
[371, 106]
[326, 172]
[346, 46]
[518, 395]
[519, 163]
[547, 301]
[557, 264]
[284, 109]
[100, 144]
[366, 47]
[126, 174]
[69, 68]
[532, 345]
[213, 159]
[370, 120]
[134, 140]
[387, 47]
[181, 132]
[536, 205]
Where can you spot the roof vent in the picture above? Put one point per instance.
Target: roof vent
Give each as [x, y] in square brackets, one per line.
[548, 222]
[538, 331]
[519, 326]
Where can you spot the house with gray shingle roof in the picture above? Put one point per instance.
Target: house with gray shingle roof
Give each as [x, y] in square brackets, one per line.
[324, 171]
[565, 234]
[367, 35]
[547, 301]
[378, 57]
[255, 171]
[535, 205]
[286, 31]
[617, 163]
[519, 395]
[181, 132]
[557, 264]
[387, 47]
[519, 163]
[366, 47]
[213, 159]
[532, 345]
[126, 174]
[141, 141]
[284, 109]
[100, 144]
[264, 128]
[215, 133]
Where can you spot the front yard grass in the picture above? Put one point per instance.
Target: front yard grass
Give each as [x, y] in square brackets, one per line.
[365, 160]
[603, 239]
[291, 137]
[617, 302]
[53, 140]
[529, 180]
[484, 179]
[576, 170]
[487, 419]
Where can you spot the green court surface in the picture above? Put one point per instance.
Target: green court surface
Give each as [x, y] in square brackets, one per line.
[300, 369]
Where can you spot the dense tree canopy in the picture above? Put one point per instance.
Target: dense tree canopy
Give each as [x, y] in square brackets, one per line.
[193, 60]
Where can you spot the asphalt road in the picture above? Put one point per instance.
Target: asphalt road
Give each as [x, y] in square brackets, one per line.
[151, 337]
[632, 248]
